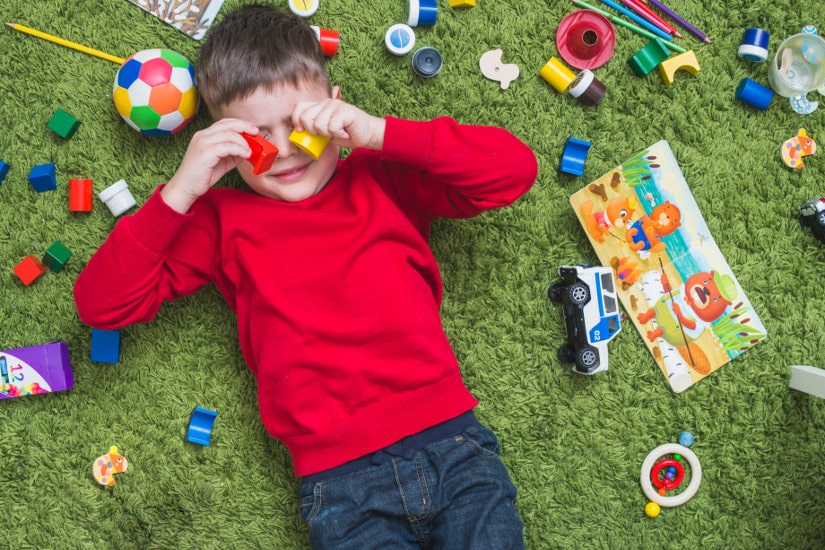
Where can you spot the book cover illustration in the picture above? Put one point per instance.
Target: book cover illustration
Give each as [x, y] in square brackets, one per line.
[191, 17]
[672, 279]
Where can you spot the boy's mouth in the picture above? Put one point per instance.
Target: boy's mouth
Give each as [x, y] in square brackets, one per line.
[292, 174]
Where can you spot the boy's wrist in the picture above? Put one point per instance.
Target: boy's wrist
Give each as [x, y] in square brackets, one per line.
[176, 199]
[377, 138]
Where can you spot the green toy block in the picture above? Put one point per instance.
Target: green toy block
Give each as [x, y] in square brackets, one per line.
[56, 257]
[63, 124]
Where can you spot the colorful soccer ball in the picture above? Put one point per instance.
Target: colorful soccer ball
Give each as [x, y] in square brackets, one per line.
[155, 92]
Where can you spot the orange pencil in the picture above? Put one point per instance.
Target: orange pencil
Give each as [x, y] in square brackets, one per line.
[642, 9]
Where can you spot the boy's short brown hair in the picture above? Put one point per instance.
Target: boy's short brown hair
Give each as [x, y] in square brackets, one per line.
[253, 47]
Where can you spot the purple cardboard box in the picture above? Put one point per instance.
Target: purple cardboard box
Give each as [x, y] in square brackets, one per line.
[38, 369]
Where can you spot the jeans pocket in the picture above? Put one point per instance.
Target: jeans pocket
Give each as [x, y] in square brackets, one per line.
[481, 441]
[310, 501]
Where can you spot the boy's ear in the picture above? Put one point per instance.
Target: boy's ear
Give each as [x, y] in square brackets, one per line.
[336, 92]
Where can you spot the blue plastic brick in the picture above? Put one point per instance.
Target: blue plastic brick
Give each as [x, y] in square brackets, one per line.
[573, 157]
[42, 177]
[105, 346]
[200, 426]
[4, 169]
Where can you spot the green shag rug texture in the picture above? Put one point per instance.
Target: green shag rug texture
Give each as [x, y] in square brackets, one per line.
[574, 444]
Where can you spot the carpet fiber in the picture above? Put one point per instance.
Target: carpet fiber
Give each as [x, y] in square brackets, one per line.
[573, 444]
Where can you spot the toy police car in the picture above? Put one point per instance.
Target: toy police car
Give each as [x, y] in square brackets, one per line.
[812, 214]
[591, 315]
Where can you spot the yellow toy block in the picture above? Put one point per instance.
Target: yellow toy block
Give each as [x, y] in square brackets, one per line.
[686, 61]
[462, 3]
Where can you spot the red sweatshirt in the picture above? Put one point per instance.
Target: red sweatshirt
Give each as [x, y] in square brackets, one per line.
[337, 296]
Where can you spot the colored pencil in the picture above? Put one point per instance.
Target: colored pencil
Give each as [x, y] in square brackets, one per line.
[66, 43]
[638, 20]
[673, 15]
[641, 8]
[628, 25]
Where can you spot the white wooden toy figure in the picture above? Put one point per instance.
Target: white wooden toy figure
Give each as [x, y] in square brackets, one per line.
[492, 67]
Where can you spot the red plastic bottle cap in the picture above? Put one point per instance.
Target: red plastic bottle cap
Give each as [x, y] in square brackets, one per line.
[585, 39]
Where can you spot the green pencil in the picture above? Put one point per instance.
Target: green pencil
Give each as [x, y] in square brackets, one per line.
[629, 25]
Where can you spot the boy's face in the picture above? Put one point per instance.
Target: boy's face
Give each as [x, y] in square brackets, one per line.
[294, 175]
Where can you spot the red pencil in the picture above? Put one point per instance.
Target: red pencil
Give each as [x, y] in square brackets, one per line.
[642, 9]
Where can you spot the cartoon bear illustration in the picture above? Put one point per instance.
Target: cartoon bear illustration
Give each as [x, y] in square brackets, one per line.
[683, 314]
[617, 213]
[645, 235]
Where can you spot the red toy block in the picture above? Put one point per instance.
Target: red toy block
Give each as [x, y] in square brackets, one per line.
[29, 270]
[80, 195]
[263, 153]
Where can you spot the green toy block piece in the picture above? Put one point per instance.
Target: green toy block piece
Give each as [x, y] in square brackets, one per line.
[63, 124]
[649, 57]
[56, 256]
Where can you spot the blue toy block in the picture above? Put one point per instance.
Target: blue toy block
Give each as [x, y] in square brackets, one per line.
[105, 346]
[572, 159]
[200, 426]
[4, 169]
[42, 177]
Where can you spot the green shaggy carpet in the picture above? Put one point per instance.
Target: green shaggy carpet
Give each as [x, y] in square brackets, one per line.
[573, 444]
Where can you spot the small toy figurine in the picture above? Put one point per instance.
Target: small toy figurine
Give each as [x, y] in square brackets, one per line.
[104, 467]
[797, 147]
[492, 67]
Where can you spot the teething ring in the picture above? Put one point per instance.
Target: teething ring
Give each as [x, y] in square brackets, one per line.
[695, 475]
[667, 484]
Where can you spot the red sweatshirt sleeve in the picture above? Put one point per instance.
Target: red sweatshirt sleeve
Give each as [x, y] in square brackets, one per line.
[133, 272]
[463, 170]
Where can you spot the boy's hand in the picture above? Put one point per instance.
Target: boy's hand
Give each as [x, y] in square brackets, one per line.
[347, 125]
[212, 153]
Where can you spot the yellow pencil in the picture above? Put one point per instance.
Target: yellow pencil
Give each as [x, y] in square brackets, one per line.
[66, 43]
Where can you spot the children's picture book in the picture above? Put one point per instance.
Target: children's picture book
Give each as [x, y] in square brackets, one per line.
[671, 277]
[191, 17]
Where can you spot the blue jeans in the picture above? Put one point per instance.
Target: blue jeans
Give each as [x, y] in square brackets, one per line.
[453, 494]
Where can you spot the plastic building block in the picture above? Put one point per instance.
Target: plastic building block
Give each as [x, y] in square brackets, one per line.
[117, 197]
[557, 75]
[200, 426]
[29, 270]
[684, 61]
[754, 45]
[56, 256]
[462, 3]
[808, 379]
[63, 124]
[105, 346]
[795, 148]
[35, 370]
[4, 169]
[492, 68]
[328, 39]
[573, 156]
[263, 153]
[754, 94]
[427, 62]
[42, 177]
[80, 195]
[399, 39]
[104, 467]
[587, 88]
[649, 57]
[422, 12]
[309, 143]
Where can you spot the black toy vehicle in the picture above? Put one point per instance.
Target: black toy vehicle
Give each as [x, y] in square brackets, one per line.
[812, 214]
[591, 315]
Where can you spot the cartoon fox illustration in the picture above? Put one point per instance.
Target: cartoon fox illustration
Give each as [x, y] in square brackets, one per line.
[104, 467]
